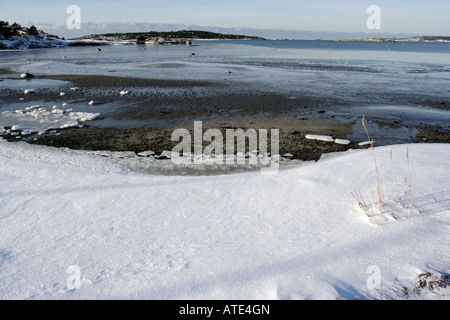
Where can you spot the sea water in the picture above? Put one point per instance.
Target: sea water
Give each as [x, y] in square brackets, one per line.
[360, 74]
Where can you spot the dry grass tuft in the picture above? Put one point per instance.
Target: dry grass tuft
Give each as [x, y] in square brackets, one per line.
[399, 200]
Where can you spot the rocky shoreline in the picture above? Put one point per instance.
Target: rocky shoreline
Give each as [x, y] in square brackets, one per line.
[176, 104]
[293, 143]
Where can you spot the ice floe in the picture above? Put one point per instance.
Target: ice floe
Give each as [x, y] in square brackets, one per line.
[319, 137]
[26, 75]
[342, 141]
[328, 139]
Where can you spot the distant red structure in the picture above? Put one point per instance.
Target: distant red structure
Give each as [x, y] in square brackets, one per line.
[141, 40]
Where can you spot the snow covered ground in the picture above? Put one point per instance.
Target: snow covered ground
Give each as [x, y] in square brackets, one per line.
[81, 226]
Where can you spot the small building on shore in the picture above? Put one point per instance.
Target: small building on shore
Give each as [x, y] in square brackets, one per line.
[141, 40]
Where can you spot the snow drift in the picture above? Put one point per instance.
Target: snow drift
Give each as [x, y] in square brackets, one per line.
[78, 226]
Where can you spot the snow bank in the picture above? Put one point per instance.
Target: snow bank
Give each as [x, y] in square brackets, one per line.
[77, 226]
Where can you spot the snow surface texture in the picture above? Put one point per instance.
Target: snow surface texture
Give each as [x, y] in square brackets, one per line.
[78, 226]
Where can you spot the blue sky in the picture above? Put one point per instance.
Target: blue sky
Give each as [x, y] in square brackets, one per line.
[417, 17]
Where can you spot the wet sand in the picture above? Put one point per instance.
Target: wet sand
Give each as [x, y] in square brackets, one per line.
[292, 137]
[89, 81]
[5, 71]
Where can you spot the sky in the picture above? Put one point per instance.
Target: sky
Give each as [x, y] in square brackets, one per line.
[346, 16]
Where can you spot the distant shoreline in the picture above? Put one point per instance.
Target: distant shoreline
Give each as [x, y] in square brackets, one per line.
[412, 39]
[167, 36]
[29, 42]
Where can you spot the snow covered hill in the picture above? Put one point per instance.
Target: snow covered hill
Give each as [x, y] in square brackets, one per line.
[79, 226]
[29, 42]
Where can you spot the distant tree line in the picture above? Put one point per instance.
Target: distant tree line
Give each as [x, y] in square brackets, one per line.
[7, 30]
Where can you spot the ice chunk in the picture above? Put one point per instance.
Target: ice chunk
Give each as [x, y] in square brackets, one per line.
[342, 141]
[319, 137]
[146, 153]
[365, 143]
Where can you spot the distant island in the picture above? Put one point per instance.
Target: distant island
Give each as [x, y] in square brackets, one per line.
[17, 37]
[167, 36]
[13, 37]
[412, 39]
